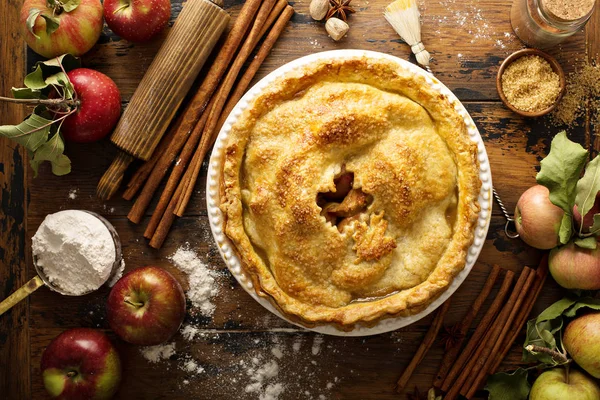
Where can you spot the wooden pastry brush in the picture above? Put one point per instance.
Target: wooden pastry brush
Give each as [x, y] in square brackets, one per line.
[405, 18]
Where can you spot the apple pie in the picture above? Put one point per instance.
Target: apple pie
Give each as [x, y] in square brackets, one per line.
[349, 191]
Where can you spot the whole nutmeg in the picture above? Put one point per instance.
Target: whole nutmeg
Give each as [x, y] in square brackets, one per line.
[336, 28]
[318, 9]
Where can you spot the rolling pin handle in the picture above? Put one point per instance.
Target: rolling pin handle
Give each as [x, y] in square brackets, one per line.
[21, 293]
[111, 180]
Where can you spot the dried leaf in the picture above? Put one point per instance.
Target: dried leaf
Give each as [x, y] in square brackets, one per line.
[26, 93]
[31, 133]
[505, 386]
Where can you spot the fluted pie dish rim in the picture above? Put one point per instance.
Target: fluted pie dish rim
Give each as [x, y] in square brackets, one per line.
[380, 314]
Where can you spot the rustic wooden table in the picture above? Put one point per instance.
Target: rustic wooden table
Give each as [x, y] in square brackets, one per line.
[468, 39]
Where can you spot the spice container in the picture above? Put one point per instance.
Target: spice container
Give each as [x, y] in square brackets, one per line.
[545, 23]
[74, 253]
[530, 82]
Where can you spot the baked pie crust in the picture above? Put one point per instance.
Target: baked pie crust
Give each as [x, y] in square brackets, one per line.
[349, 191]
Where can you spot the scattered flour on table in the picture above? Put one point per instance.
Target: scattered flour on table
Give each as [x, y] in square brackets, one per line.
[158, 353]
[118, 274]
[73, 194]
[317, 342]
[202, 280]
[75, 250]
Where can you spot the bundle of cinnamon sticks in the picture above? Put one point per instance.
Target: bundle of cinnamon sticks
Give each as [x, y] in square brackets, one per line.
[464, 370]
[192, 135]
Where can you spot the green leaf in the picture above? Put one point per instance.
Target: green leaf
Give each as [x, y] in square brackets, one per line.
[556, 310]
[62, 80]
[52, 23]
[70, 5]
[30, 21]
[560, 171]
[589, 243]
[587, 188]
[566, 229]
[586, 302]
[35, 79]
[26, 93]
[31, 133]
[52, 151]
[595, 228]
[52, 65]
[504, 386]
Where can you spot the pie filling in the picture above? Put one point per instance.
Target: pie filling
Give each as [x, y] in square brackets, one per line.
[350, 192]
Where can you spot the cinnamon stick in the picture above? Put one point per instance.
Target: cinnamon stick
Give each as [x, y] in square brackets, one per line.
[160, 224]
[426, 344]
[492, 347]
[175, 177]
[196, 107]
[452, 354]
[221, 97]
[490, 337]
[480, 331]
[541, 275]
[275, 12]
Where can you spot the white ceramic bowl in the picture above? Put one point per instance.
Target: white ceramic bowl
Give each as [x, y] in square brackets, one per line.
[216, 217]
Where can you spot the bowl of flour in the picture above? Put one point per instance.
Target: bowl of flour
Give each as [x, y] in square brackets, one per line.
[75, 252]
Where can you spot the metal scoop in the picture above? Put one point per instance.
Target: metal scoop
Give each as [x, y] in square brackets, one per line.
[41, 279]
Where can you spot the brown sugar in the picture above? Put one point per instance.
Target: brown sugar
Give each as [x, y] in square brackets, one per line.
[583, 87]
[529, 84]
[569, 10]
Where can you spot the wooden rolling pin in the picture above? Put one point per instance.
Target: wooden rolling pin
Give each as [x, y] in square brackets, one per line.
[162, 89]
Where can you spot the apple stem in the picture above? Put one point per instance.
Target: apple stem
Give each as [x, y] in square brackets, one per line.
[134, 303]
[124, 6]
[556, 356]
[567, 374]
[48, 102]
[71, 374]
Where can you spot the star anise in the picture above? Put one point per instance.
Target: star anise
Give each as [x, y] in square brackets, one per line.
[416, 395]
[451, 336]
[340, 8]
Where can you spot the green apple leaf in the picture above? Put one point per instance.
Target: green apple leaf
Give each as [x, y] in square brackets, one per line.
[589, 243]
[52, 23]
[587, 188]
[31, 133]
[35, 79]
[559, 172]
[505, 386]
[70, 5]
[52, 151]
[30, 21]
[26, 93]
[61, 79]
[595, 228]
[586, 302]
[557, 309]
[566, 229]
[52, 66]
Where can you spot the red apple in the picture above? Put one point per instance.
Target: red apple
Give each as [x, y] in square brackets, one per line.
[77, 31]
[146, 306]
[99, 109]
[588, 220]
[575, 268]
[81, 363]
[137, 20]
[537, 219]
[582, 342]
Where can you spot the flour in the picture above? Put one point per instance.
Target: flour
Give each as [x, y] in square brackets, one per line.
[259, 375]
[202, 281]
[158, 353]
[73, 194]
[75, 251]
[118, 274]
[316, 347]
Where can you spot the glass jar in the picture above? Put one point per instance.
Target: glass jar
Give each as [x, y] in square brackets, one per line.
[543, 24]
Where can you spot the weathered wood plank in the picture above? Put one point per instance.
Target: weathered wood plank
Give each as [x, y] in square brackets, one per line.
[14, 326]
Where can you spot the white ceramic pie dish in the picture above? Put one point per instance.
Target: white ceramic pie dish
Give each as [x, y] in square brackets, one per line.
[226, 248]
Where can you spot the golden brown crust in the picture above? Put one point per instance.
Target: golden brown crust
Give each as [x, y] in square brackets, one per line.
[407, 224]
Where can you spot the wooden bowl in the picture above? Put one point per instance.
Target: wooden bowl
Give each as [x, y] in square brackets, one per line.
[555, 67]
